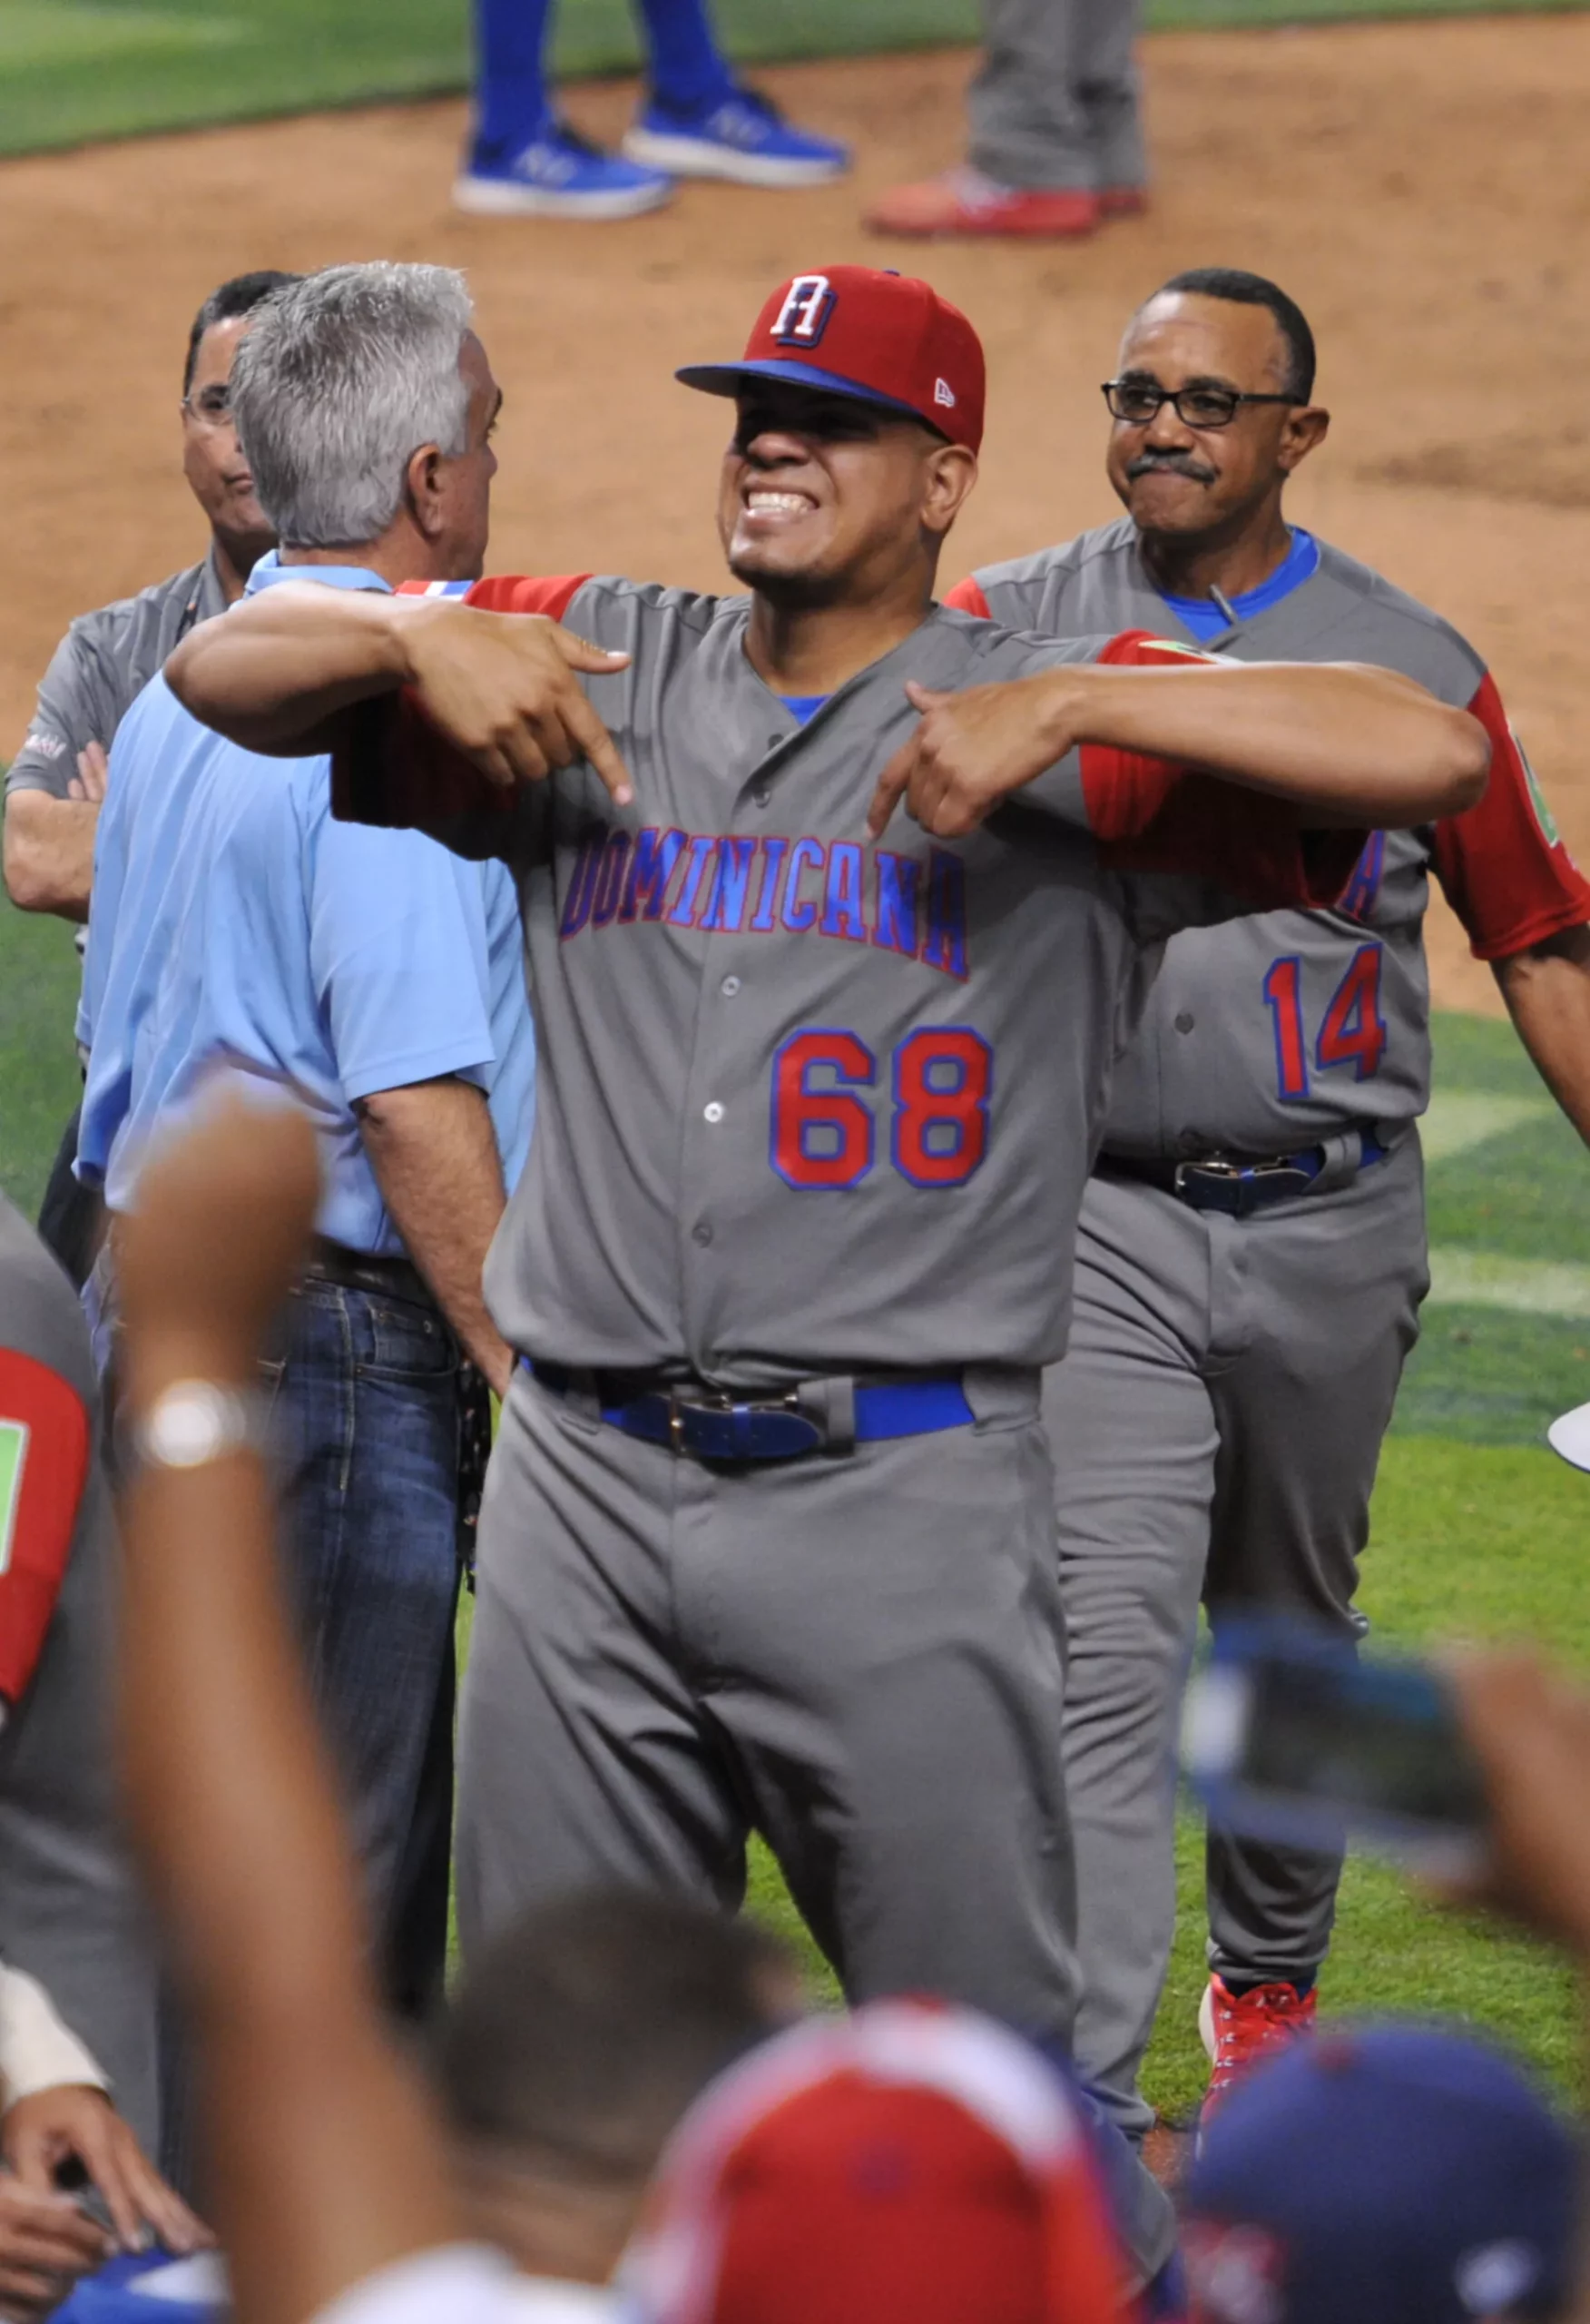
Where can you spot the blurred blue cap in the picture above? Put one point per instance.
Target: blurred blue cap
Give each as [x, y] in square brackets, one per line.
[1382, 2174]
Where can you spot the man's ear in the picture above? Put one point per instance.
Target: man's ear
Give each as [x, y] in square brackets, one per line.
[951, 474]
[422, 488]
[1305, 428]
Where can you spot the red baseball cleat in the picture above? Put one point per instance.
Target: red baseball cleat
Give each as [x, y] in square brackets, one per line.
[1238, 2030]
[964, 201]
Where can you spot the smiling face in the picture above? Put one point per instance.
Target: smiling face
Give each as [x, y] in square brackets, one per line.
[212, 458]
[1187, 482]
[825, 498]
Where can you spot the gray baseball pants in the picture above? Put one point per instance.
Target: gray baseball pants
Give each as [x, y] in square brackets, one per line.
[1216, 1426]
[1055, 101]
[858, 1656]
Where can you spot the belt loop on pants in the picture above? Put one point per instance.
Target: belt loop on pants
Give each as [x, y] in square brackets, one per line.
[831, 1403]
[832, 1414]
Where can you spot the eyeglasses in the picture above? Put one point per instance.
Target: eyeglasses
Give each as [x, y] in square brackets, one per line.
[1138, 401]
[210, 407]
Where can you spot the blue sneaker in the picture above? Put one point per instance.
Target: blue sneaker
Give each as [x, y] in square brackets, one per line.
[559, 175]
[743, 136]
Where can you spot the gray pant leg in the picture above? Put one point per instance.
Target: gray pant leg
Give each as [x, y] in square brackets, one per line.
[1133, 1443]
[1108, 89]
[1324, 1298]
[583, 1754]
[1055, 100]
[881, 1639]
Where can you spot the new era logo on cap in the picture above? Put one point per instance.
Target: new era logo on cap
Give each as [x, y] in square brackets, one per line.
[880, 337]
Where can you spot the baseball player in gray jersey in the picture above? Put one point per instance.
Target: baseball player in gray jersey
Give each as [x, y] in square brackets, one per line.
[70, 1913]
[769, 1534]
[55, 782]
[1252, 1254]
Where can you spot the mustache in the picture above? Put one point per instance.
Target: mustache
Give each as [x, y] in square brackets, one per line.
[1169, 463]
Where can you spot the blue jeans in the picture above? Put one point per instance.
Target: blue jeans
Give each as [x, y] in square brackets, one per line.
[364, 1421]
[365, 1427]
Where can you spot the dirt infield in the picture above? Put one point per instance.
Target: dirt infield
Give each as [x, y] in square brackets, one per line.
[1421, 187]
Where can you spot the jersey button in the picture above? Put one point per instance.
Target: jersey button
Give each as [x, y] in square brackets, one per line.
[729, 987]
[1189, 1142]
[1185, 1021]
[713, 1112]
[761, 795]
[701, 1234]
[775, 740]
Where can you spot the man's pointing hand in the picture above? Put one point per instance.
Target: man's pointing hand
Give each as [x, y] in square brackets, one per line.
[973, 749]
[502, 688]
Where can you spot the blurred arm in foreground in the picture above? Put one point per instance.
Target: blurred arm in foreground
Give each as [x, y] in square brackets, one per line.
[325, 2164]
[1530, 1731]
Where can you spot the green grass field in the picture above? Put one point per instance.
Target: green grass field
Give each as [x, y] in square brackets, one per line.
[73, 70]
[1478, 1531]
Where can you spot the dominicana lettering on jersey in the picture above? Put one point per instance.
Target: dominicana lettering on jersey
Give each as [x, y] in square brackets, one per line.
[731, 885]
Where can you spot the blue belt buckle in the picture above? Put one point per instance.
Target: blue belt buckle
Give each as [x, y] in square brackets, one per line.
[1238, 1190]
[743, 1431]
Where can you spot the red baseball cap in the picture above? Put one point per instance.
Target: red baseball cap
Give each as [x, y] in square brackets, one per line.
[883, 338]
[913, 2165]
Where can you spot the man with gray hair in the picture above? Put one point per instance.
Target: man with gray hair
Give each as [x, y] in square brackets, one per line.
[235, 919]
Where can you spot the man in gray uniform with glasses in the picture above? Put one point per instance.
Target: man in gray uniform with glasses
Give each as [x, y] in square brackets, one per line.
[1252, 1257]
[107, 657]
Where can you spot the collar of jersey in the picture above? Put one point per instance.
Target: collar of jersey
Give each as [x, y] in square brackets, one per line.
[330, 576]
[1204, 618]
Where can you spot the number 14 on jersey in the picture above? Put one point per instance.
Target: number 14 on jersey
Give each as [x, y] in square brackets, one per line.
[1352, 1030]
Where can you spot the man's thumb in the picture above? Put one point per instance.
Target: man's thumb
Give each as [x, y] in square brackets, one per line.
[925, 698]
[580, 654]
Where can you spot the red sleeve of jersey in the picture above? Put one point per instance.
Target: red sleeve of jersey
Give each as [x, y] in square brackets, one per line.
[1505, 873]
[44, 1442]
[514, 592]
[1153, 814]
[393, 768]
[970, 599]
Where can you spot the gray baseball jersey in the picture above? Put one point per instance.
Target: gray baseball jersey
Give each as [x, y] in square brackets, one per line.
[69, 1911]
[1271, 1033]
[1255, 1359]
[100, 666]
[806, 1105]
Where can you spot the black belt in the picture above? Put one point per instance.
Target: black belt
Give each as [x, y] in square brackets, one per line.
[1236, 1184]
[331, 1261]
[828, 1416]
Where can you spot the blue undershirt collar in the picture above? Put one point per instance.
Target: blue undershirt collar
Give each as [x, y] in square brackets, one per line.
[803, 707]
[1205, 619]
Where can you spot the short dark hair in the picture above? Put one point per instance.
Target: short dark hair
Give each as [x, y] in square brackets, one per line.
[240, 296]
[589, 2026]
[1245, 290]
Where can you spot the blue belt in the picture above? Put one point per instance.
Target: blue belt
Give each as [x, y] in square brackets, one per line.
[1230, 1184]
[687, 1418]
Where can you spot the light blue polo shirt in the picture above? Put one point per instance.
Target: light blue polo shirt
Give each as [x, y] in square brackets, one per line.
[234, 919]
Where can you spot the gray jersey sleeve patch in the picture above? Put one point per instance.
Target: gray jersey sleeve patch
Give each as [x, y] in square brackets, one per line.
[71, 711]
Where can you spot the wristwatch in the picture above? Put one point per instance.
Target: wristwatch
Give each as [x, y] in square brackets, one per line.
[195, 1422]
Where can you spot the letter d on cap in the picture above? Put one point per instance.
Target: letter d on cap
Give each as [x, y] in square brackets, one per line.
[803, 317]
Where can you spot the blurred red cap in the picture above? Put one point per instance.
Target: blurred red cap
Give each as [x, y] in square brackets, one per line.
[911, 2165]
